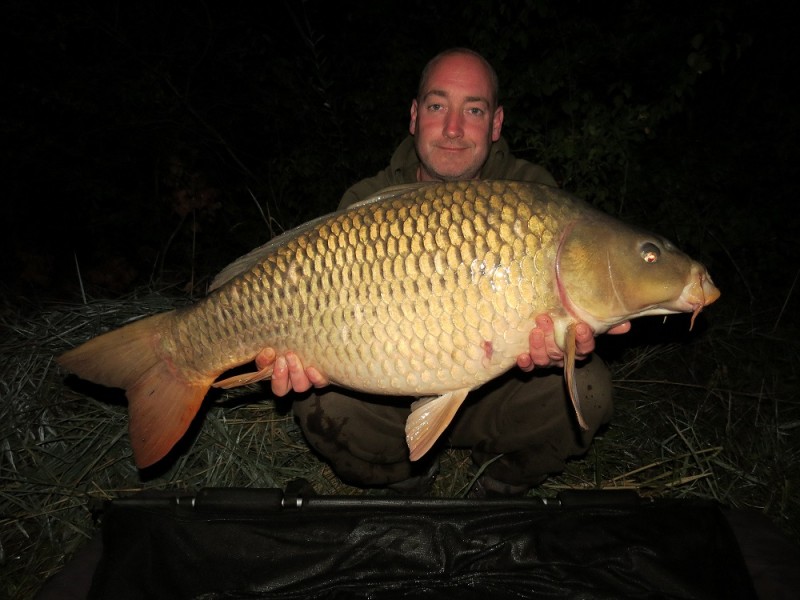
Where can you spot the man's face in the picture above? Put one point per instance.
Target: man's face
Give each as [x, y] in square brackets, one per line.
[455, 121]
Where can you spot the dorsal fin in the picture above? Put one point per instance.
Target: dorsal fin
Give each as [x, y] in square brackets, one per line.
[255, 256]
[391, 192]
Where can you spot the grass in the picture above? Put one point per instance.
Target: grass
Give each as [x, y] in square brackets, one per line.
[711, 414]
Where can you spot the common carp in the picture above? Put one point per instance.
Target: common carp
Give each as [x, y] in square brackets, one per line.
[427, 290]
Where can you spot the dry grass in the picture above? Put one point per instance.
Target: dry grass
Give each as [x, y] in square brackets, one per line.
[712, 415]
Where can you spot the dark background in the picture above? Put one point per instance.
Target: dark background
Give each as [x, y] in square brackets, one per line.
[150, 143]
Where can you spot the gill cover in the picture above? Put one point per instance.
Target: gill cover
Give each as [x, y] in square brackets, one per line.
[609, 272]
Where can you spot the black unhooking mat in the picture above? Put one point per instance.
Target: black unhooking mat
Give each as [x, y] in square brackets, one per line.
[266, 544]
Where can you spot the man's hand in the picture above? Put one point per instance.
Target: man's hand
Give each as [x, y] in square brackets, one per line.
[288, 373]
[544, 352]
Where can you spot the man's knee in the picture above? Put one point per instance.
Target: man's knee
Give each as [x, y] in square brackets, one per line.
[363, 441]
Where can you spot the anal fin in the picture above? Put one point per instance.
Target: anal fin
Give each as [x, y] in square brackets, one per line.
[265, 361]
[243, 379]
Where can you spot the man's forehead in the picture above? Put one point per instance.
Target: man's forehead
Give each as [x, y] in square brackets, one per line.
[459, 75]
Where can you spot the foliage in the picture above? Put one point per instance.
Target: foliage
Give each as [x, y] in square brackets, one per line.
[269, 113]
[596, 85]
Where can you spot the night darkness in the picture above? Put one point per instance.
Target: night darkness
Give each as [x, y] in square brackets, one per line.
[151, 143]
[146, 145]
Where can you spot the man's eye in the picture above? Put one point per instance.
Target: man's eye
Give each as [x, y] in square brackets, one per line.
[476, 112]
[435, 107]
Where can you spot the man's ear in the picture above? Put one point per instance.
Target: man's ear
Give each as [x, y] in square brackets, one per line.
[412, 126]
[497, 123]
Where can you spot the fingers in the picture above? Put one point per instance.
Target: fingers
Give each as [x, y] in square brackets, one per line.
[525, 362]
[297, 373]
[265, 358]
[584, 341]
[316, 378]
[281, 385]
[279, 382]
[540, 354]
[288, 373]
[544, 351]
[621, 328]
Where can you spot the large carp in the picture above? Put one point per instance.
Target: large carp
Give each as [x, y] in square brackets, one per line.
[425, 290]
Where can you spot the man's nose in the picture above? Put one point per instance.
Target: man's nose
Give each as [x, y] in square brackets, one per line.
[454, 125]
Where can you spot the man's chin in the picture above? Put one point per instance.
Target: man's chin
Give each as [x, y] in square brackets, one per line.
[453, 173]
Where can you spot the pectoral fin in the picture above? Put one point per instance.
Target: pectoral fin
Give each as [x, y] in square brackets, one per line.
[569, 375]
[428, 420]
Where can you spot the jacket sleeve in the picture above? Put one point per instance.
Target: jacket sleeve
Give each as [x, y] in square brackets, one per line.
[527, 171]
[402, 169]
[502, 164]
[364, 189]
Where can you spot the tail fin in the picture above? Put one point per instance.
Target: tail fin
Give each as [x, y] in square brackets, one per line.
[161, 402]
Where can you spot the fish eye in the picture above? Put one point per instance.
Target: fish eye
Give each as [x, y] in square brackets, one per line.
[650, 252]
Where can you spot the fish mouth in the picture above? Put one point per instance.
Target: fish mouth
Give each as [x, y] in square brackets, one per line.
[698, 293]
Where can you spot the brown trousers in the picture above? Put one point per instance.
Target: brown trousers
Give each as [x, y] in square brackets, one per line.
[526, 417]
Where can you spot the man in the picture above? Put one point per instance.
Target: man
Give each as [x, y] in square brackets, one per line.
[520, 425]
